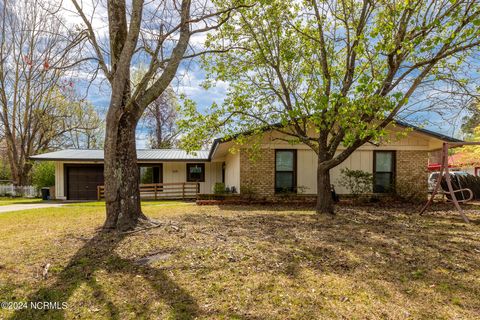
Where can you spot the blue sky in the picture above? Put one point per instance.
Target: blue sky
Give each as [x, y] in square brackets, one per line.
[190, 76]
[188, 82]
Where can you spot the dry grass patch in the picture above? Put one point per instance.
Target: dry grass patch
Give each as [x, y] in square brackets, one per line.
[244, 263]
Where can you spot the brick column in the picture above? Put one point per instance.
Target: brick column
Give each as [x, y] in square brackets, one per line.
[412, 174]
[257, 176]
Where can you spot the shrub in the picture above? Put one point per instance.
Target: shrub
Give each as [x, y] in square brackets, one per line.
[407, 189]
[248, 192]
[219, 188]
[43, 174]
[356, 181]
[5, 173]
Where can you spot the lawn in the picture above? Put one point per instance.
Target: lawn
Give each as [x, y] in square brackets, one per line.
[244, 263]
[5, 201]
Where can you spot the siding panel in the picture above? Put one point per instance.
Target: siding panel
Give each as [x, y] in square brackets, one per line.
[307, 168]
[232, 171]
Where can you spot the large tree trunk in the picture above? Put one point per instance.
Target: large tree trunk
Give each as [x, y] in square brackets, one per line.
[122, 194]
[324, 194]
[19, 169]
[22, 177]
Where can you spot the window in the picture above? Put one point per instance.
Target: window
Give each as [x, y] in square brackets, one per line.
[285, 171]
[223, 172]
[383, 171]
[196, 172]
[151, 174]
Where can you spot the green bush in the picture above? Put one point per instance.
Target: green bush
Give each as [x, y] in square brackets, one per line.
[5, 173]
[356, 181]
[43, 174]
[219, 188]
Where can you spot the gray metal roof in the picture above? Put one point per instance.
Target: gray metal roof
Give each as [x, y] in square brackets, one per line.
[142, 155]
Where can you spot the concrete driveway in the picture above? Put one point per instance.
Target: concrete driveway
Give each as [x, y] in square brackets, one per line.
[28, 206]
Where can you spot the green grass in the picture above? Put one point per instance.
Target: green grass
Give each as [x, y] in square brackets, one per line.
[237, 262]
[5, 201]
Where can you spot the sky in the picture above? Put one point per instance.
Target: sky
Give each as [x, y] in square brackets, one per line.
[189, 78]
[187, 82]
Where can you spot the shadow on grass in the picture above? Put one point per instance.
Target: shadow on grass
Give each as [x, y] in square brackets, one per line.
[368, 244]
[392, 254]
[99, 254]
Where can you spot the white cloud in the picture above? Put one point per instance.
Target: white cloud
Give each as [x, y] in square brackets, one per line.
[95, 11]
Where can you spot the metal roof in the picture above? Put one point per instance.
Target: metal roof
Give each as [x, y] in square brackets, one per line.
[142, 155]
[182, 155]
[431, 133]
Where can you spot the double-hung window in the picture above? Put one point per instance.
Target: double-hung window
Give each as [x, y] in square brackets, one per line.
[383, 171]
[285, 171]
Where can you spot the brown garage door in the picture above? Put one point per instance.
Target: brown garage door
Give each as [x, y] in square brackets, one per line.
[82, 181]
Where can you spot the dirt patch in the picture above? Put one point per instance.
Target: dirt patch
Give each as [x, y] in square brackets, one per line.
[151, 259]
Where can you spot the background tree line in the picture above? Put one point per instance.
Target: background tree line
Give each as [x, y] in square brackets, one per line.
[41, 104]
[40, 109]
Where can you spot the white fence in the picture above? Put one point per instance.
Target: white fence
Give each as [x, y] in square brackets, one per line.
[10, 190]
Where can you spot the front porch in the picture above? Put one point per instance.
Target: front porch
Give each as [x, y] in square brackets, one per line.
[163, 191]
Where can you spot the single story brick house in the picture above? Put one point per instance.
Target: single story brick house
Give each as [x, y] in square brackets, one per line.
[401, 161]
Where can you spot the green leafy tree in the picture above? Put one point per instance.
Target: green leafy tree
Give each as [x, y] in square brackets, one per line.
[5, 174]
[472, 120]
[43, 174]
[470, 155]
[333, 74]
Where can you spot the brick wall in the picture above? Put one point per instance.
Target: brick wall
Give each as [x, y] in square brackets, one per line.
[411, 175]
[258, 175]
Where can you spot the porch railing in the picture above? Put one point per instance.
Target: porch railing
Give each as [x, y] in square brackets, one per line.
[174, 190]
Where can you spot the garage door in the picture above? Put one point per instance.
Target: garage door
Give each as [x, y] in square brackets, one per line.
[82, 182]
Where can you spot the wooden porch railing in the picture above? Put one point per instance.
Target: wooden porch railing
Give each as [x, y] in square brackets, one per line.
[174, 190]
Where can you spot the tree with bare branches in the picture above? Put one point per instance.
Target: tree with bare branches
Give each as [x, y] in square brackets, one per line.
[86, 127]
[157, 34]
[35, 55]
[160, 118]
[333, 74]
